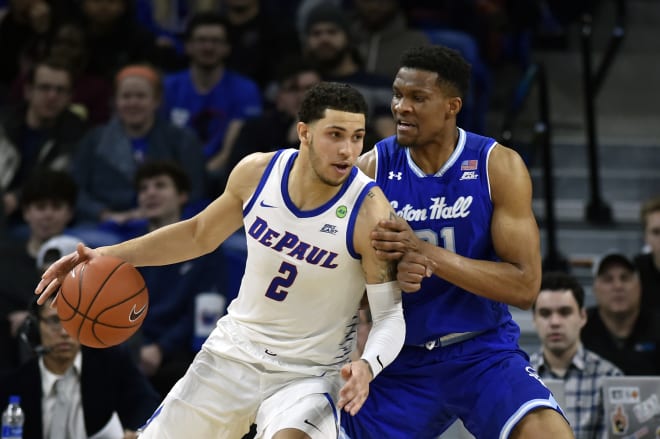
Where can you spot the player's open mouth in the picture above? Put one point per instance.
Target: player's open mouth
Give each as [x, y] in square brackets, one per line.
[342, 168]
[404, 126]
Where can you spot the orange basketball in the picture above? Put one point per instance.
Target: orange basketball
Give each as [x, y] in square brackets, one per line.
[102, 302]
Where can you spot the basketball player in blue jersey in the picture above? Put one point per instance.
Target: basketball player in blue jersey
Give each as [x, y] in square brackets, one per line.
[464, 207]
[280, 357]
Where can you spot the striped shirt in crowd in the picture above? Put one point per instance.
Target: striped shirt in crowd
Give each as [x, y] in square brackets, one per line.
[583, 404]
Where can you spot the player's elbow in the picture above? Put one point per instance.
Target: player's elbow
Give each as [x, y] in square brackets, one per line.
[527, 296]
[526, 301]
[527, 288]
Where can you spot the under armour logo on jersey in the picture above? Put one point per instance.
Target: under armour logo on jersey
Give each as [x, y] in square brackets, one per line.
[392, 175]
[329, 228]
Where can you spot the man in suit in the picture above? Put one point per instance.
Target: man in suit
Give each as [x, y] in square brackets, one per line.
[73, 391]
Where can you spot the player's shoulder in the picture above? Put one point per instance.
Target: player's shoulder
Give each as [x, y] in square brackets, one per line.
[505, 159]
[247, 173]
[375, 205]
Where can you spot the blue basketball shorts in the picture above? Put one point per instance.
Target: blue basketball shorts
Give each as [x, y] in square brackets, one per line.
[486, 381]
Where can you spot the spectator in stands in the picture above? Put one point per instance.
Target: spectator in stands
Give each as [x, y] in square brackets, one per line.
[208, 97]
[258, 41]
[116, 39]
[276, 127]
[618, 328]
[167, 332]
[648, 262]
[43, 133]
[109, 155]
[48, 202]
[382, 34]
[70, 391]
[559, 315]
[91, 94]
[328, 46]
[24, 32]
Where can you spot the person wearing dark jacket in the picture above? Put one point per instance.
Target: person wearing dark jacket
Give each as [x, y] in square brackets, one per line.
[43, 134]
[107, 158]
[76, 391]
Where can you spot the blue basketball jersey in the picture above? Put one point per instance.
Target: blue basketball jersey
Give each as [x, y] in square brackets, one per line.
[451, 208]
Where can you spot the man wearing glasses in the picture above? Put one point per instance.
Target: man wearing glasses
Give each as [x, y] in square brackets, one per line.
[69, 391]
[41, 133]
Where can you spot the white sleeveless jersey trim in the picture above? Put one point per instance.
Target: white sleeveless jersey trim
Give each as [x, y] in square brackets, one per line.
[490, 150]
[303, 280]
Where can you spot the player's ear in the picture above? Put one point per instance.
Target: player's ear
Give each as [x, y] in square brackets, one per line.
[455, 104]
[303, 132]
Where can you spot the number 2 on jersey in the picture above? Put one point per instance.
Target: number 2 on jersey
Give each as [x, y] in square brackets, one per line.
[276, 289]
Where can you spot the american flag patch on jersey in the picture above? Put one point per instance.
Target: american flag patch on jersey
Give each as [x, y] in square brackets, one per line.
[469, 165]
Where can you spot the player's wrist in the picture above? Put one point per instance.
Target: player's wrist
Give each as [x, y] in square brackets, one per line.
[371, 371]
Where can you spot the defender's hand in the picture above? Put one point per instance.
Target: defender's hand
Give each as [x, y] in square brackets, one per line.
[393, 238]
[412, 269]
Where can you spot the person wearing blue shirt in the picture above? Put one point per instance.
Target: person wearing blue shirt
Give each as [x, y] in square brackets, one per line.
[208, 97]
[468, 247]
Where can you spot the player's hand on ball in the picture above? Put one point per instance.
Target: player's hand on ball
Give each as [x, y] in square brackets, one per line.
[52, 278]
[357, 375]
[411, 271]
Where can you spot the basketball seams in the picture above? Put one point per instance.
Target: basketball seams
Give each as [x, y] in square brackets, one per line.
[63, 297]
[85, 315]
[102, 316]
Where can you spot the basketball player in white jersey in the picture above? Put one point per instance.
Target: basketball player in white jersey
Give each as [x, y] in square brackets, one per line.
[280, 357]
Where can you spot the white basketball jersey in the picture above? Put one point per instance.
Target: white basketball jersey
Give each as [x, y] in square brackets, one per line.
[303, 279]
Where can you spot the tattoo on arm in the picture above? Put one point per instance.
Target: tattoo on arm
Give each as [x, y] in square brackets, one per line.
[387, 272]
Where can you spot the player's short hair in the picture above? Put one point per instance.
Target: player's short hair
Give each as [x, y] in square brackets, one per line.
[205, 18]
[449, 64]
[333, 96]
[650, 206]
[49, 185]
[157, 168]
[560, 281]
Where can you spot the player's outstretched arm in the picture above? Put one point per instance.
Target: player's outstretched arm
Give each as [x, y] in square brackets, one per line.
[387, 334]
[176, 242]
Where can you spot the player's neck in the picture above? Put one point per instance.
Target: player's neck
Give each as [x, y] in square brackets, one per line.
[431, 157]
[307, 191]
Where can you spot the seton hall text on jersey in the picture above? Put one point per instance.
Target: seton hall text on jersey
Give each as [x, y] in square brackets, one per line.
[300, 250]
[437, 209]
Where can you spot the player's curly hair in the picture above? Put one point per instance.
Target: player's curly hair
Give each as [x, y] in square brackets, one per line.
[330, 95]
[451, 67]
